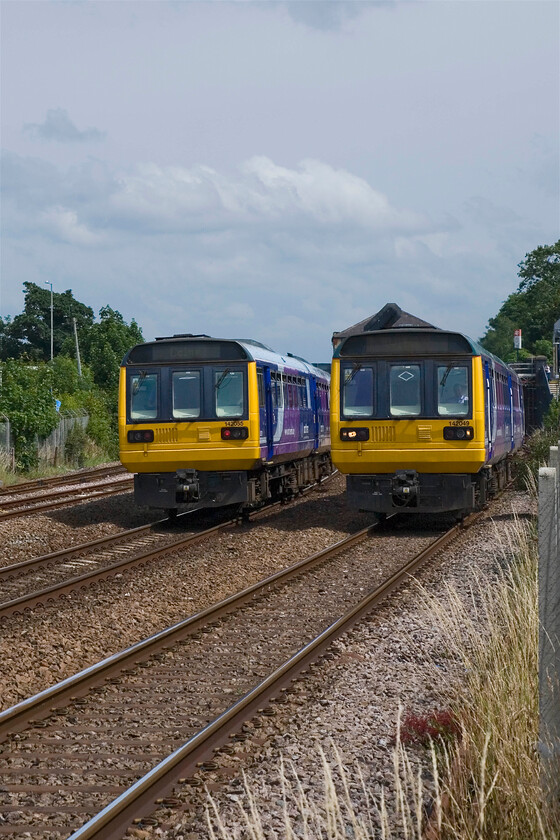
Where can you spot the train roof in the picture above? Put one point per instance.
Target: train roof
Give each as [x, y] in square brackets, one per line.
[391, 316]
[393, 332]
[178, 349]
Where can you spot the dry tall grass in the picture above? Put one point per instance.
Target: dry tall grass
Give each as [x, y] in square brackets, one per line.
[492, 780]
[486, 785]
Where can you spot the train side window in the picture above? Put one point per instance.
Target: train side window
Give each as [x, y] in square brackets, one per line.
[186, 394]
[404, 389]
[143, 396]
[273, 391]
[453, 390]
[281, 385]
[357, 392]
[228, 390]
[260, 385]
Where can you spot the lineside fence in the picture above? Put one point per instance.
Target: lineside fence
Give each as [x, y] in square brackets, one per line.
[7, 453]
[549, 624]
[51, 450]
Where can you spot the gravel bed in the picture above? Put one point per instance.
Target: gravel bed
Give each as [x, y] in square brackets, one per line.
[55, 641]
[193, 682]
[349, 706]
[43, 533]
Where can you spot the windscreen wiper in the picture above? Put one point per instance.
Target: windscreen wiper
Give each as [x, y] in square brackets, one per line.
[136, 386]
[349, 376]
[218, 384]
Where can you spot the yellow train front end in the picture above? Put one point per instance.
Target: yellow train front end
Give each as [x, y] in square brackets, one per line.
[196, 444]
[408, 421]
[189, 423]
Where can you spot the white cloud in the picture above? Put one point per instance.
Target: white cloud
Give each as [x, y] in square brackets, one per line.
[201, 197]
[62, 223]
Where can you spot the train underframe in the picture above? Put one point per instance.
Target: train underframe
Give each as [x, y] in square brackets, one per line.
[188, 489]
[414, 492]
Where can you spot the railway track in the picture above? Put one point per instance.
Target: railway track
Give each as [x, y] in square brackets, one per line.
[57, 480]
[11, 508]
[101, 747]
[41, 580]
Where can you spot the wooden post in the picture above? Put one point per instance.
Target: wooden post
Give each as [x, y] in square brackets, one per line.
[549, 629]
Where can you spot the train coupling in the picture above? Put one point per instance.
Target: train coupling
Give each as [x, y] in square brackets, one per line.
[188, 485]
[405, 487]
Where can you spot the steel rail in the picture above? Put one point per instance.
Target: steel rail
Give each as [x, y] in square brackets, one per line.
[51, 593]
[40, 705]
[139, 799]
[51, 495]
[121, 487]
[82, 549]
[68, 478]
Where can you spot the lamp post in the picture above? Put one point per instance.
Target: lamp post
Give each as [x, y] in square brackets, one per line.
[50, 284]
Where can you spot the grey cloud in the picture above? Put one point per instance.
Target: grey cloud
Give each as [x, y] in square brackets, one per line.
[485, 212]
[59, 127]
[323, 237]
[329, 15]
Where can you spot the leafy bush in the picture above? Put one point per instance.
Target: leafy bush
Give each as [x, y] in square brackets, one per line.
[26, 399]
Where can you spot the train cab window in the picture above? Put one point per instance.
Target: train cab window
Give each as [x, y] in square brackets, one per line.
[453, 390]
[143, 396]
[186, 394]
[228, 391]
[404, 389]
[260, 385]
[357, 392]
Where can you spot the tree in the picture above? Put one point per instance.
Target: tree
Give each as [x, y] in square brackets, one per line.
[29, 334]
[27, 401]
[105, 343]
[9, 346]
[533, 308]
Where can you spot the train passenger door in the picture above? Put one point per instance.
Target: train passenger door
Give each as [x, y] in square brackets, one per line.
[314, 394]
[511, 415]
[268, 418]
[490, 424]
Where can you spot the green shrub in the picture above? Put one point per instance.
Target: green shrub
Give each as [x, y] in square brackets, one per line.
[26, 399]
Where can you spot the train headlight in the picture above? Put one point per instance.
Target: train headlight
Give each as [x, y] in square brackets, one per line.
[353, 434]
[235, 433]
[140, 436]
[458, 433]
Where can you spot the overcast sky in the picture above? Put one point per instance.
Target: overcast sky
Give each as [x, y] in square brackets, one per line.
[276, 170]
